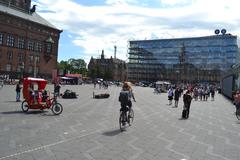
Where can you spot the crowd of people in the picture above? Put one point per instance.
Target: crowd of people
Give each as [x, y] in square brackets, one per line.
[197, 92]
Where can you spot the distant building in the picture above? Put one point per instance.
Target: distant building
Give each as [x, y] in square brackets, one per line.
[108, 69]
[28, 43]
[199, 59]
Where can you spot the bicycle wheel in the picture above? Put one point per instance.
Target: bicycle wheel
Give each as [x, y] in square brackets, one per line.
[122, 121]
[238, 114]
[25, 106]
[130, 116]
[57, 108]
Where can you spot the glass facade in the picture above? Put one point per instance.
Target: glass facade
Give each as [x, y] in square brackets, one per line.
[197, 59]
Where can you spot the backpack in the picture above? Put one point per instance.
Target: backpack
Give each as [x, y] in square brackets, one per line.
[124, 97]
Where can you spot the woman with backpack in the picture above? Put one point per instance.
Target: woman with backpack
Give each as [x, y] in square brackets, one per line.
[125, 96]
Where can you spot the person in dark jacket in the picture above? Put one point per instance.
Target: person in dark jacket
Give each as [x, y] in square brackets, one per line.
[177, 94]
[187, 98]
[18, 90]
[57, 88]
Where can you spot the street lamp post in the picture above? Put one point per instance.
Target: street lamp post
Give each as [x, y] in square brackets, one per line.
[22, 70]
[35, 67]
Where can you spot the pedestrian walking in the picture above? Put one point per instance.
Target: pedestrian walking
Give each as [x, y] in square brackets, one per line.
[177, 94]
[170, 95]
[57, 88]
[18, 91]
[94, 83]
[187, 98]
[212, 91]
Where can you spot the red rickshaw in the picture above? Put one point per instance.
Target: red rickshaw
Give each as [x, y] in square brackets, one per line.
[37, 98]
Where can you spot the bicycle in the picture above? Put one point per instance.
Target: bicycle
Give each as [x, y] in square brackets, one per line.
[126, 116]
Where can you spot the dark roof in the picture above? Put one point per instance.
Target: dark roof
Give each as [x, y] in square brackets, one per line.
[113, 60]
[34, 17]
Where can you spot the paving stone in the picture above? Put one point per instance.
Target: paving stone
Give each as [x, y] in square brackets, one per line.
[88, 129]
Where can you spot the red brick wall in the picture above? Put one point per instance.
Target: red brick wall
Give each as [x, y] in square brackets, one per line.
[29, 31]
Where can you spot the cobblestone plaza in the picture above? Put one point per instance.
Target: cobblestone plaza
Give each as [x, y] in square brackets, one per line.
[88, 129]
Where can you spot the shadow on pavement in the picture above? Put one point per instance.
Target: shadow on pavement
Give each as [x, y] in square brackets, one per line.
[238, 122]
[182, 118]
[12, 102]
[21, 112]
[112, 133]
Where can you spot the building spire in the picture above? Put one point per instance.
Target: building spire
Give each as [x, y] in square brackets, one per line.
[102, 55]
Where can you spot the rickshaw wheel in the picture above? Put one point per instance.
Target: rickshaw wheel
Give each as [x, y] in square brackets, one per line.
[57, 108]
[25, 106]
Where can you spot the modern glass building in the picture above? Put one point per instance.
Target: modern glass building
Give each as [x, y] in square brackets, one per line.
[198, 59]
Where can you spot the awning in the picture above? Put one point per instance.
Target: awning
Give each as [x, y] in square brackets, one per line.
[66, 78]
[73, 75]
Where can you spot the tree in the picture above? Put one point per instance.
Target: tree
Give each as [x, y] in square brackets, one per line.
[64, 65]
[74, 66]
[77, 63]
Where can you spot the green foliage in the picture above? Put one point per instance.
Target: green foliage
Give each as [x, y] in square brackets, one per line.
[98, 72]
[75, 66]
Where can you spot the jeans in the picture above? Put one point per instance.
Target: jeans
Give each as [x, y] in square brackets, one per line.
[18, 96]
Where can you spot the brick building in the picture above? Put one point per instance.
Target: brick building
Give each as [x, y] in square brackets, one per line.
[28, 43]
[107, 68]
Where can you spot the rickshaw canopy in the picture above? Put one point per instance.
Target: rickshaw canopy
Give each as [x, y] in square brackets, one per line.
[41, 83]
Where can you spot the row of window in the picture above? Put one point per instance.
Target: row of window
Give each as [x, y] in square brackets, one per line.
[21, 57]
[9, 68]
[21, 42]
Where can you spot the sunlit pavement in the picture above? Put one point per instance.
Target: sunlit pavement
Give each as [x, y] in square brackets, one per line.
[88, 129]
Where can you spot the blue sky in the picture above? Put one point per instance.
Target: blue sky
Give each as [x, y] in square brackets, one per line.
[90, 26]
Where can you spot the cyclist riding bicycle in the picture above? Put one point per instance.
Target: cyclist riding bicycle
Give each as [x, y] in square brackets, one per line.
[125, 97]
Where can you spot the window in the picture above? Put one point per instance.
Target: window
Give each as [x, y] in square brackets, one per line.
[20, 57]
[21, 43]
[49, 48]
[37, 70]
[8, 67]
[10, 40]
[1, 38]
[30, 69]
[37, 59]
[30, 45]
[9, 55]
[19, 68]
[30, 59]
[38, 47]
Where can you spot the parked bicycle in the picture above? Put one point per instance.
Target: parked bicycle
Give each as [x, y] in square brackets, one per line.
[126, 117]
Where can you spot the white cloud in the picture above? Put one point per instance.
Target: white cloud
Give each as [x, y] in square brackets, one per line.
[174, 2]
[120, 2]
[101, 27]
[70, 36]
